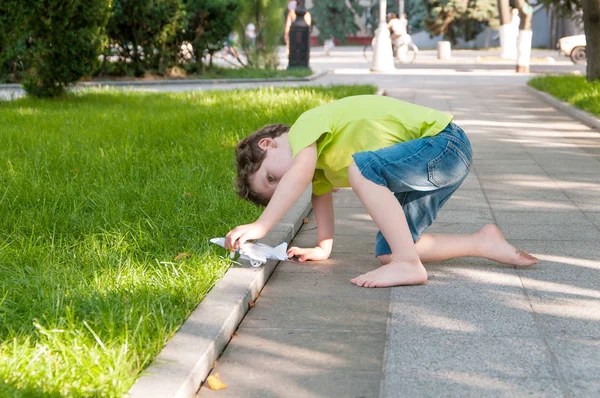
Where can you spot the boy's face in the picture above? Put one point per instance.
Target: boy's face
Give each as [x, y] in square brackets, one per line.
[278, 160]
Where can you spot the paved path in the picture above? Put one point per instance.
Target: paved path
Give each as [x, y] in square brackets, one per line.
[476, 329]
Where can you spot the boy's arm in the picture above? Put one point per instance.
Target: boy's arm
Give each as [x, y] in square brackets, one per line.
[291, 186]
[323, 209]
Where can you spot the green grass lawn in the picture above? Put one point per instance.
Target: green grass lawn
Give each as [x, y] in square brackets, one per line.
[99, 193]
[572, 89]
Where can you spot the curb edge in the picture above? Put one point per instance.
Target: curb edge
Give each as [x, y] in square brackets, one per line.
[584, 117]
[312, 77]
[185, 361]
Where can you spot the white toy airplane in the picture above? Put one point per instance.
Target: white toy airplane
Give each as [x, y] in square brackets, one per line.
[257, 253]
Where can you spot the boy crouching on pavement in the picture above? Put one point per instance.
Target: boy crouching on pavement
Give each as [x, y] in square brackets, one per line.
[403, 161]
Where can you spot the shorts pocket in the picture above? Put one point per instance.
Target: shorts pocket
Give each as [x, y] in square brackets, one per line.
[448, 167]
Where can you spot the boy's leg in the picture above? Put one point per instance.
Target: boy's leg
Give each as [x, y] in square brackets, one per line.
[487, 243]
[383, 207]
[403, 187]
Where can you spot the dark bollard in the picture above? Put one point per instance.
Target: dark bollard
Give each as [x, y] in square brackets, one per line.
[299, 40]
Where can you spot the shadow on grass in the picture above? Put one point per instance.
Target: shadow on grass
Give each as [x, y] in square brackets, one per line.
[15, 390]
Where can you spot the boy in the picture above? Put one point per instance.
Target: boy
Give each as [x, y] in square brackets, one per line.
[403, 161]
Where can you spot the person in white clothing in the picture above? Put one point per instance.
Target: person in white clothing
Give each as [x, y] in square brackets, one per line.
[397, 26]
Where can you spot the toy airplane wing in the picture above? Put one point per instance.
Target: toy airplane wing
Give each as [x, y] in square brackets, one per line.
[257, 253]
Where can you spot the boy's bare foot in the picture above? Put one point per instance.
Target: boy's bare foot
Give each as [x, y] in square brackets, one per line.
[393, 274]
[495, 247]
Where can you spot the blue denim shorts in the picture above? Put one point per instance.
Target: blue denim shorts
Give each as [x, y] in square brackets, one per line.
[422, 174]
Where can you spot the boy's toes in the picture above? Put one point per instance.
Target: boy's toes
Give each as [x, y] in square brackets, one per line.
[359, 280]
[527, 259]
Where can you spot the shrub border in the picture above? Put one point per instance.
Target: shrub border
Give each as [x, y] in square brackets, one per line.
[165, 82]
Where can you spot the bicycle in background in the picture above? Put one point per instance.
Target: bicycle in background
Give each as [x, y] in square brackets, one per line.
[403, 48]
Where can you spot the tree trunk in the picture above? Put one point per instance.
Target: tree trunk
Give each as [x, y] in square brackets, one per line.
[591, 25]
[507, 33]
[525, 36]
[504, 12]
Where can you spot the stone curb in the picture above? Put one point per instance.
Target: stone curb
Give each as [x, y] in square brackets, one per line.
[183, 81]
[186, 360]
[581, 115]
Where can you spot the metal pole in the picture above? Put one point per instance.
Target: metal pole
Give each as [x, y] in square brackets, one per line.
[299, 39]
[383, 59]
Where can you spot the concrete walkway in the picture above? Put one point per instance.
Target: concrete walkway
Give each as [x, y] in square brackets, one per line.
[477, 328]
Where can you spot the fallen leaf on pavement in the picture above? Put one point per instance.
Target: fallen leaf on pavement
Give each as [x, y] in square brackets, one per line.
[214, 383]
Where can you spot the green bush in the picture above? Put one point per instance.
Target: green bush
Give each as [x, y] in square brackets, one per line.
[13, 41]
[141, 34]
[64, 39]
[145, 36]
[207, 25]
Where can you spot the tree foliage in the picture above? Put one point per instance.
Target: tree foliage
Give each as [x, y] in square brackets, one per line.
[460, 19]
[140, 31]
[591, 23]
[207, 24]
[13, 41]
[335, 18]
[268, 17]
[416, 12]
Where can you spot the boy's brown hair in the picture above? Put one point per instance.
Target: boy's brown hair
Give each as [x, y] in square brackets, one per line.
[250, 156]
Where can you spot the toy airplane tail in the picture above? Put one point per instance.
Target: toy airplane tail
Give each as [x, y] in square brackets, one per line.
[280, 252]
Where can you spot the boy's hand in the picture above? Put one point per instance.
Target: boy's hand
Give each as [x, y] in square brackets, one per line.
[314, 253]
[239, 235]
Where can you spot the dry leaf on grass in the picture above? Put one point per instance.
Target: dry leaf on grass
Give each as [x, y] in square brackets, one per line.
[182, 255]
[214, 383]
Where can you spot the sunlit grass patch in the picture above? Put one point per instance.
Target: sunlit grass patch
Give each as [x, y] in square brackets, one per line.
[100, 193]
[572, 89]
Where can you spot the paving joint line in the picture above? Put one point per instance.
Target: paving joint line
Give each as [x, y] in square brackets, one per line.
[548, 351]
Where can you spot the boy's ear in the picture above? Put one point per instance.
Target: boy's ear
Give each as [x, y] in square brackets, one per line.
[267, 143]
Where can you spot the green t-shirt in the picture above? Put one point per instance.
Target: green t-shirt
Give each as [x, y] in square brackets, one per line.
[355, 124]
